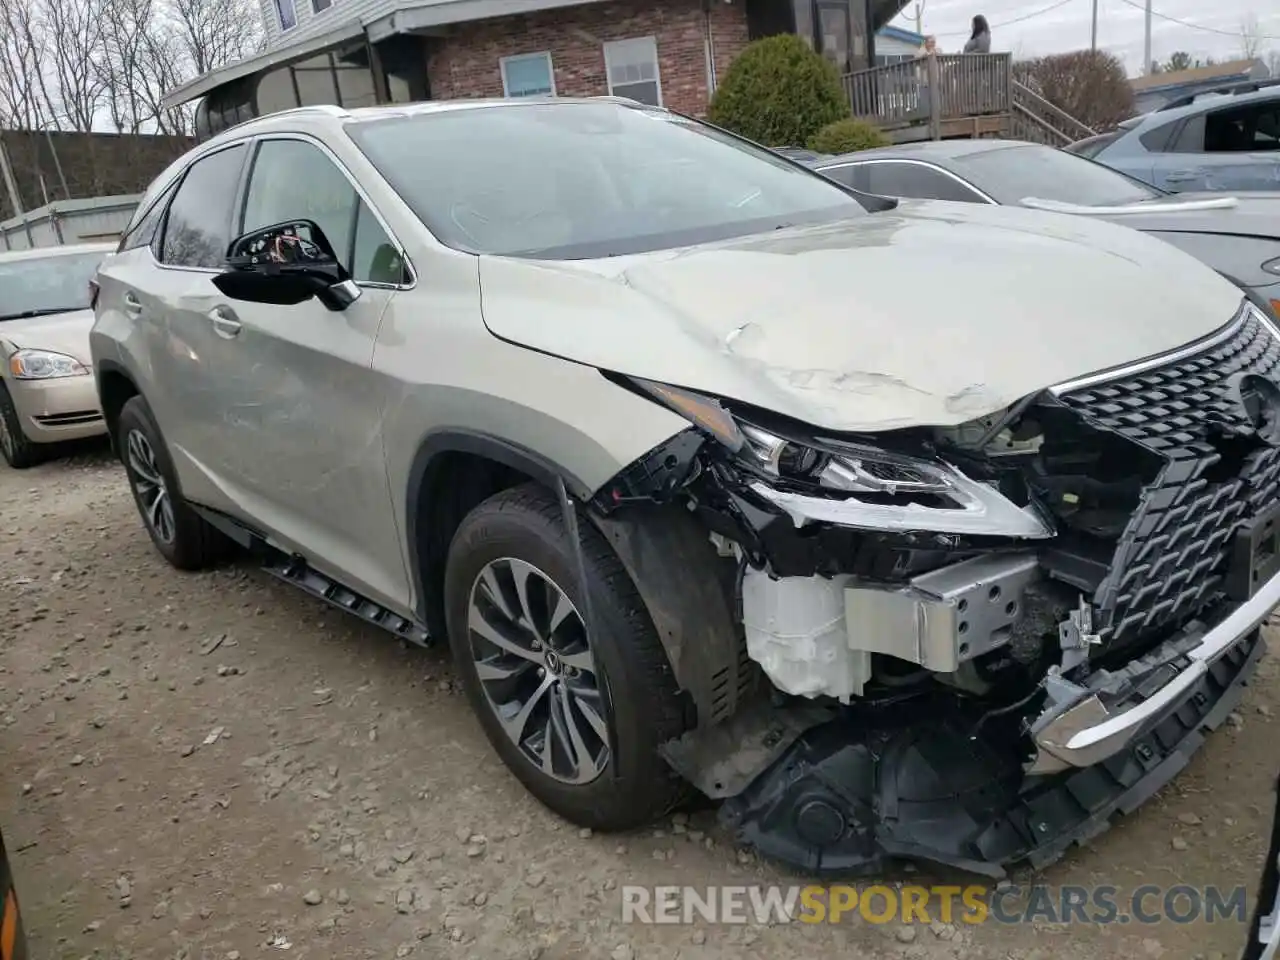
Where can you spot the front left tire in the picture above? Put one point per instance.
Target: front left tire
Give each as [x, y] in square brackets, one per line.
[577, 717]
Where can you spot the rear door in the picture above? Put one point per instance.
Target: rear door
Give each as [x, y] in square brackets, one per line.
[155, 296]
[1224, 149]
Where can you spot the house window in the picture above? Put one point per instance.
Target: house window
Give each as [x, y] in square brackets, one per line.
[528, 75]
[632, 68]
[287, 13]
[319, 5]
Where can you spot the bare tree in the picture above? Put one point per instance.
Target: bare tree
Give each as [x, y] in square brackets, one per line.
[24, 90]
[75, 29]
[1250, 37]
[214, 32]
[1090, 85]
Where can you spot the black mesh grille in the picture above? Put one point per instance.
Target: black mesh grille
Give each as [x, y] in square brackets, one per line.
[1171, 561]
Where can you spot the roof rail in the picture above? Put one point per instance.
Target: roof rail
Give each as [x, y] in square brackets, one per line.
[1232, 90]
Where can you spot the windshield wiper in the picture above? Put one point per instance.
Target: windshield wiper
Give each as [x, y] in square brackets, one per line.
[43, 312]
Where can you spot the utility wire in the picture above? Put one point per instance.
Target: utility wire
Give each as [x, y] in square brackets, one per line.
[1006, 23]
[1196, 26]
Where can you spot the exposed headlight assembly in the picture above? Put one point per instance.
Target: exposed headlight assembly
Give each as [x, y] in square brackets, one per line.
[869, 488]
[44, 365]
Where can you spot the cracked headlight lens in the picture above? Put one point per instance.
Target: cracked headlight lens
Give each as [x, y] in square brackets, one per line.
[44, 365]
[857, 486]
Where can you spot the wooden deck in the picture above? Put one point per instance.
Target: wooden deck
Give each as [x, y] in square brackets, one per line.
[957, 95]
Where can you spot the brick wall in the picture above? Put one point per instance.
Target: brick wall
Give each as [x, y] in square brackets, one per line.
[94, 164]
[465, 64]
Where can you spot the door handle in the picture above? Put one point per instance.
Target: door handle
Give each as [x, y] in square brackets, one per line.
[132, 305]
[225, 323]
[1182, 176]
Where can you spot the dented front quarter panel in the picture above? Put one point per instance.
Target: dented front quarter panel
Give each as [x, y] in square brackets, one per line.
[931, 314]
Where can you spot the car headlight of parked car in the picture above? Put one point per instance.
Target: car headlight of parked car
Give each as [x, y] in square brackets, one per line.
[855, 484]
[44, 365]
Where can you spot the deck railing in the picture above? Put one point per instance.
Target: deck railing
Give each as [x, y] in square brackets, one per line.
[932, 89]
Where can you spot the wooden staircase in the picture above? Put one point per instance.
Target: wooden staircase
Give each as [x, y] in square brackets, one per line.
[948, 96]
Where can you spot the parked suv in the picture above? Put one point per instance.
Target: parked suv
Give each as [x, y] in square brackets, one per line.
[1224, 140]
[712, 471]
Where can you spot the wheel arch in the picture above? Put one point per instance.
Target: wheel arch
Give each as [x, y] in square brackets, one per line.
[685, 585]
[115, 388]
[453, 472]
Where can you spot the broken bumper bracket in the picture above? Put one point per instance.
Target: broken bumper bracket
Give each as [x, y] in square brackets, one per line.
[848, 797]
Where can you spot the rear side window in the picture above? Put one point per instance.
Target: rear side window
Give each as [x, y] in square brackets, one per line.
[1190, 139]
[197, 230]
[915, 181]
[1157, 139]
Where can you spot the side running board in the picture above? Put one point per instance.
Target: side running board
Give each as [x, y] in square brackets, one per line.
[296, 572]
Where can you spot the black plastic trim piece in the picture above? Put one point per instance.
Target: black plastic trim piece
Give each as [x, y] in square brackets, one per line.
[484, 445]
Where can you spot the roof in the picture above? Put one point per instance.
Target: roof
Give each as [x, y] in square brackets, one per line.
[1217, 71]
[43, 253]
[406, 16]
[906, 36]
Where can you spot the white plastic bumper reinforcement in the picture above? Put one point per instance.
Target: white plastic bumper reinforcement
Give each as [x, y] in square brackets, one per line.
[1087, 733]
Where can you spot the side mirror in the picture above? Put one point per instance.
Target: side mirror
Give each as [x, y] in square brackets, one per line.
[285, 264]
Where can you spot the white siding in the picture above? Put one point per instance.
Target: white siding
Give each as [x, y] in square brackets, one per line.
[893, 47]
[311, 23]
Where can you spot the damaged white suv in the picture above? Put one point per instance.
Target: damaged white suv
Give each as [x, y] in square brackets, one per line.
[931, 530]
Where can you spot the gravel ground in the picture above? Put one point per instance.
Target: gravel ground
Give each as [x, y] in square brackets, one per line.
[214, 766]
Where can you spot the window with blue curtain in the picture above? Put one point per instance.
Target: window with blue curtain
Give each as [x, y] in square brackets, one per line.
[528, 75]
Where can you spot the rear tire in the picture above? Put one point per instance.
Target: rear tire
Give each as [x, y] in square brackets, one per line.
[182, 536]
[18, 451]
[518, 535]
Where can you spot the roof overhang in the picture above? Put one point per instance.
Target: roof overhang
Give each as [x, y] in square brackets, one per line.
[275, 57]
[431, 17]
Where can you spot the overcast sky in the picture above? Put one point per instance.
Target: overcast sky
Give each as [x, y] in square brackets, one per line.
[1066, 26]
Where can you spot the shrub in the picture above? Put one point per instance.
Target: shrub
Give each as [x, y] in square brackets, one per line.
[848, 135]
[779, 92]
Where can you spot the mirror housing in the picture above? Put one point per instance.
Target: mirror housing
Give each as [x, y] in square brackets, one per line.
[286, 264]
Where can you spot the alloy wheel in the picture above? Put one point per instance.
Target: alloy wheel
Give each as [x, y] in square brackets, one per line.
[531, 653]
[149, 485]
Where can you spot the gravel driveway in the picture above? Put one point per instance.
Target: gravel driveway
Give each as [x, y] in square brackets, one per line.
[213, 766]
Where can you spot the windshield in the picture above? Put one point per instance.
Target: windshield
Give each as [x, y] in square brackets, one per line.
[576, 180]
[53, 284]
[1011, 174]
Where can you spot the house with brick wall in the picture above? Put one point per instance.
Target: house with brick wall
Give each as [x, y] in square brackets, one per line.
[672, 53]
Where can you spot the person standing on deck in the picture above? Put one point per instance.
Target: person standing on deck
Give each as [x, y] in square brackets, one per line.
[980, 39]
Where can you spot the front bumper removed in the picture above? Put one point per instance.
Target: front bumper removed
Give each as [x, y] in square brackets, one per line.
[936, 780]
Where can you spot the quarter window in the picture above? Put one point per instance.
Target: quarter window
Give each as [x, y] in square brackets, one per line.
[528, 75]
[295, 180]
[632, 68]
[147, 228]
[197, 230]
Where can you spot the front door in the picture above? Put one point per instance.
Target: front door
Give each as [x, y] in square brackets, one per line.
[306, 417]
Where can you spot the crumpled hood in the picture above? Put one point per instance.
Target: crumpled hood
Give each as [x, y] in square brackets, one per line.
[933, 313]
[60, 332]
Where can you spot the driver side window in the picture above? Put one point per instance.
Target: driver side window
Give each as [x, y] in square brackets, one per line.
[295, 180]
